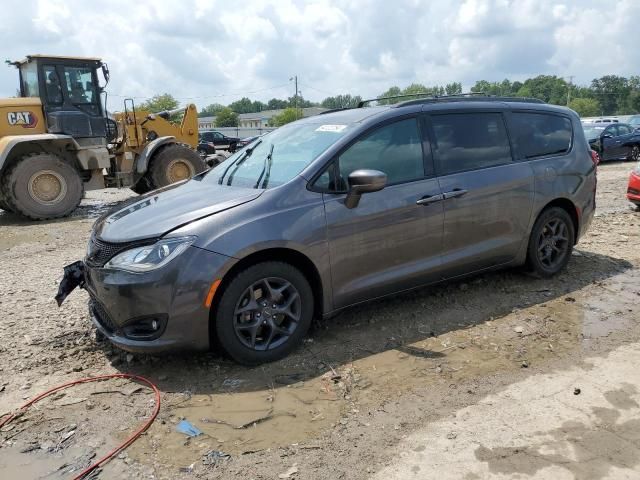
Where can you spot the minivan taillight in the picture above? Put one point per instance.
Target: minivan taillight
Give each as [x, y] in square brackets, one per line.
[595, 158]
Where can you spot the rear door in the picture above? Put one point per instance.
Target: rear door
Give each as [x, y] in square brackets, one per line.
[391, 241]
[624, 141]
[488, 196]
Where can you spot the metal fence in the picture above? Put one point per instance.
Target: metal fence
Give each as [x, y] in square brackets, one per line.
[239, 132]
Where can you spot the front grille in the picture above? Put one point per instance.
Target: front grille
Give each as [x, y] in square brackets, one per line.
[102, 316]
[99, 252]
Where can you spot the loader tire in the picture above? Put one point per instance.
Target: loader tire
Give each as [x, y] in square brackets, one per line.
[4, 205]
[174, 164]
[41, 186]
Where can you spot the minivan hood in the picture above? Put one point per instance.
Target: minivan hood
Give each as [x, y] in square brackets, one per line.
[158, 212]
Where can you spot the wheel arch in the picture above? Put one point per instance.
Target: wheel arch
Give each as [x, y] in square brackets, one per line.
[277, 254]
[14, 147]
[149, 151]
[570, 208]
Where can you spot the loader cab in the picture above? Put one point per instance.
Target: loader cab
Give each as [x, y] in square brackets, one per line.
[70, 94]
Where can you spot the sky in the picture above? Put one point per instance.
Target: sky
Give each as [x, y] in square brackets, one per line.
[207, 51]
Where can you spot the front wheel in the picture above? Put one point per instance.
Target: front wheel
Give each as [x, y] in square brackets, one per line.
[264, 313]
[551, 242]
[634, 154]
[42, 186]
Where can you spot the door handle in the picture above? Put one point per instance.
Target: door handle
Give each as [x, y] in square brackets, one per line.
[455, 193]
[429, 199]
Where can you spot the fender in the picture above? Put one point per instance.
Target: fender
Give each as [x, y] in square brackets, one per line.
[7, 143]
[142, 162]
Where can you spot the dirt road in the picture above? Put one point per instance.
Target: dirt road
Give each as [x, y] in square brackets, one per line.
[350, 403]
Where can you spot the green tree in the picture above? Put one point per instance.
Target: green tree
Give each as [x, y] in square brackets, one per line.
[392, 92]
[585, 107]
[277, 104]
[454, 88]
[341, 101]
[159, 103]
[548, 88]
[227, 118]
[211, 110]
[288, 115]
[244, 105]
[612, 92]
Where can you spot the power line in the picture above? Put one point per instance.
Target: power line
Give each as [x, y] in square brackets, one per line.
[221, 95]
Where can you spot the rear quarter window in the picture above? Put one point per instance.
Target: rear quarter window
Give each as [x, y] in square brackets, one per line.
[541, 134]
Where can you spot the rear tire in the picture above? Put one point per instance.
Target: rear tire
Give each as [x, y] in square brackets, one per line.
[42, 186]
[174, 163]
[276, 323]
[551, 242]
[634, 154]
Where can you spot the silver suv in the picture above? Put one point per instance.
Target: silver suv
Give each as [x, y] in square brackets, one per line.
[334, 210]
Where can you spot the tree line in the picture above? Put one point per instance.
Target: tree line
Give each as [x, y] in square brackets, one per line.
[607, 95]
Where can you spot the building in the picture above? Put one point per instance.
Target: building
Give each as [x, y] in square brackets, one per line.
[258, 120]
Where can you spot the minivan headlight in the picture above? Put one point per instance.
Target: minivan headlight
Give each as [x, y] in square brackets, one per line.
[150, 257]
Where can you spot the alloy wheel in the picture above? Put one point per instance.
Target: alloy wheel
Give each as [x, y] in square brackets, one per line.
[553, 243]
[267, 313]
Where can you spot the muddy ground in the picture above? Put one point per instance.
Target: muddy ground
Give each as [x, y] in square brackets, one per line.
[336, 408]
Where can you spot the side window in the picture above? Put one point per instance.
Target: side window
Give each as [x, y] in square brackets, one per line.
[469, 141]
[541, 134]
[52, 85]
[80, 85]
[612, 130]
[623, 130]
[218, 135]
[395, 149]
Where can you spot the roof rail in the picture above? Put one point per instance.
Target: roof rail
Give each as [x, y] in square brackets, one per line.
[334, 110]
[459, 97]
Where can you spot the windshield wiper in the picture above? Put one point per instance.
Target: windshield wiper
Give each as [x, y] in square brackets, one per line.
[266, 169]
[247, 153]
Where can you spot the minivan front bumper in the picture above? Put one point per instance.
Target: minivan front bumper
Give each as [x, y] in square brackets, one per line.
[160, 310]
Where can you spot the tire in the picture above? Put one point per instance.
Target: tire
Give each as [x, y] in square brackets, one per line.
[4, 205]
[234, 330]
[42, 186]
[551, 242]
[634, 154]
[142, 186]
[174, 163]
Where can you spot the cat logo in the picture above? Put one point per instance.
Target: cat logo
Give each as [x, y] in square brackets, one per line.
[24, 119]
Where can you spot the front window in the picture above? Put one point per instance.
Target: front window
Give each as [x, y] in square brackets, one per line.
[52, 85]
[276, 157]
[591, 133]
[29, 76]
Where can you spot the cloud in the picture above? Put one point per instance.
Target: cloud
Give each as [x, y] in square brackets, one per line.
[212, 51]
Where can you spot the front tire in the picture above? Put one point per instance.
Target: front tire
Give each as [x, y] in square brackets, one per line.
[634, 154]
[551, 242]
[174, 163]
[264, 313]
[42, 186]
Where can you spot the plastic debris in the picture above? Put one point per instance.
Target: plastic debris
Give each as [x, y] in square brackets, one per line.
[214, 457]
[188, 429]
[289, 473]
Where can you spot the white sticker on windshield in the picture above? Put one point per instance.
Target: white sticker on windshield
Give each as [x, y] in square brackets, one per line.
[331, 128]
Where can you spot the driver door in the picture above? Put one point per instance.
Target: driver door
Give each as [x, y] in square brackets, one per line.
[392, 239]
[610, 144]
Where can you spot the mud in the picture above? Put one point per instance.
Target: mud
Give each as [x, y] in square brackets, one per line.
[353, 389]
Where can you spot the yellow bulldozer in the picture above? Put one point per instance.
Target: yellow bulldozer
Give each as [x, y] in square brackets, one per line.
[57, 139]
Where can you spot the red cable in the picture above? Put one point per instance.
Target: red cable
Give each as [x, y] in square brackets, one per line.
[122, 446]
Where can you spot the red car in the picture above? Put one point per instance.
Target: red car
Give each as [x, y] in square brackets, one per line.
[633, 190]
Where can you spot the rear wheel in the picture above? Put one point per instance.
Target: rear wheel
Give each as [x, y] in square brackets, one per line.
[42, 186]
[551, 242]
[634, 154]
[264, 313]
[174, 164]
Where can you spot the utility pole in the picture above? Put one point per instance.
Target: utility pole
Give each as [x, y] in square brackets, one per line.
[569, 89]
[295, 95]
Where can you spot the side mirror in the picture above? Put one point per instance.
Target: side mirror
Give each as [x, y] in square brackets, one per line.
[363, 181]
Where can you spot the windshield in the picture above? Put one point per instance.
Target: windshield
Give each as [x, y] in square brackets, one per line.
[276, 157]
[593, 132]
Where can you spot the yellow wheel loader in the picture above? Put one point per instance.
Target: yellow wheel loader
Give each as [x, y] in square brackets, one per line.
[57, 140]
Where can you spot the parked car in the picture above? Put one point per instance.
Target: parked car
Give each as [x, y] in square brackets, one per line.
[334, 210]
[633, 190]
[617, 141]
[600, 120]
[243, 142]
[634, 121]
[215, 140]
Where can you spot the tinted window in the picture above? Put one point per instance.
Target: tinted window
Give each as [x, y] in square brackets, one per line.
[80, 85]
[624, 130]
[613, 131]
[468, 141]
[394, 149]
[541, 134]
[52, 84]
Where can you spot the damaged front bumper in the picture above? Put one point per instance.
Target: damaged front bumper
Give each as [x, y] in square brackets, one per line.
[156, 311]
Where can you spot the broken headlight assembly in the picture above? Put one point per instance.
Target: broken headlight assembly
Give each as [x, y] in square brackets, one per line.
[150, 257]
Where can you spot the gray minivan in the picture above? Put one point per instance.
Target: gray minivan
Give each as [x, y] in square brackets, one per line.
[337, 209]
